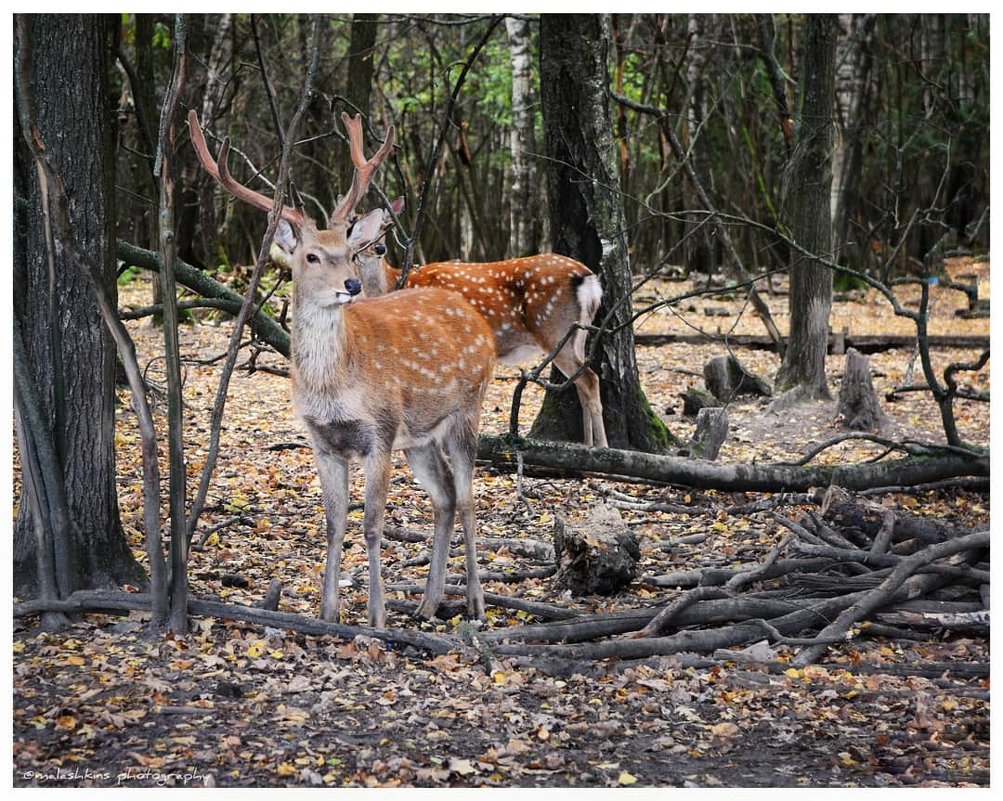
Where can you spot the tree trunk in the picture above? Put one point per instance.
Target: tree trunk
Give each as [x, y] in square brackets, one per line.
[806, 212]
[69, 63]
[587, 219]
[524, 226]
[700, 251]
[358, 84]
[144, 95]
[852, 78]
[197, 189]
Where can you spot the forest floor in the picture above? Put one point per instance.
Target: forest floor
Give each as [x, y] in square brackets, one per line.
[235, 705]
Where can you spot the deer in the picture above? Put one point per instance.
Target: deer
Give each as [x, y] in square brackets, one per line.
[530, 304]
[407, 371]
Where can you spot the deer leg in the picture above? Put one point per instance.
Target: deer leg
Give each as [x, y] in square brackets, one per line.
[433, 473]
[587, 385]
[333, 473]
[461, 456]
[377, 468]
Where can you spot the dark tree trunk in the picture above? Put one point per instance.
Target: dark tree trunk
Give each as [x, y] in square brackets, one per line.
[700, 249]
[70, 60]
[587, 222]
[187, 205]
[358, 82]
[807, 214]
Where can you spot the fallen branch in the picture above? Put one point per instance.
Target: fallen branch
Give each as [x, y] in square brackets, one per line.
[716, 576]
[137, 601]
[737, 582]
[888, 560]
[263, 326]
[537, 609]
[881, 594]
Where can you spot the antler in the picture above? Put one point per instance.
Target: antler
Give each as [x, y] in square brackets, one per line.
[217, 169]
[364, 168]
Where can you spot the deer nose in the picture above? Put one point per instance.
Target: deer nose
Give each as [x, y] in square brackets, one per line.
[353, 286]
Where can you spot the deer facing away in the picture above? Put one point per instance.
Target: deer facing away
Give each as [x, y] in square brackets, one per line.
[406, 371]
[530, 303]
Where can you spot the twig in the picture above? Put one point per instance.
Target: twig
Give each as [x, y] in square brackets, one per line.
[219, 527]
[247, 305]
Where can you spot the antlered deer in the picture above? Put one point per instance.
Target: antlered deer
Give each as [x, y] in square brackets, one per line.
[530, 303]
[406, 371]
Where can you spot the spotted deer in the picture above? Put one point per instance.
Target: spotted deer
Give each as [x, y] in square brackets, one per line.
[530, 304]
[407, 371]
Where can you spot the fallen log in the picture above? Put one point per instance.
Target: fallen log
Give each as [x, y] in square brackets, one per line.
[93, 600]
[568, 459]
[863, 343]
[263, 327]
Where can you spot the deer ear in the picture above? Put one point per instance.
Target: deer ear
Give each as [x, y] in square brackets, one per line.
[397, 205]
[287, 237]
[366, 230]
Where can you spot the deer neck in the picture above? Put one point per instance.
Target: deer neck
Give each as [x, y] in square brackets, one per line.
[319, 335]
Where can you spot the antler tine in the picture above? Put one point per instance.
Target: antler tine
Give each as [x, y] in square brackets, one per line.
[364, 168]
[218, 169]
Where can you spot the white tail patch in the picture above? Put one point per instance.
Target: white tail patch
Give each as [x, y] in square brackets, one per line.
[529, 302]
[589, 298]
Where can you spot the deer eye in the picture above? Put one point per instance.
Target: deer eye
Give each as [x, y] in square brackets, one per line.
[312, 258]
[380, 249]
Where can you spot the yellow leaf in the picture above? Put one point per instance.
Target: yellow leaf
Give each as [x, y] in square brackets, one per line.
[285, 769]
[498, 676]
[726, 729]
[75, 660]
[793, 673]
[626, 779]
[237, 503]
[66, 722]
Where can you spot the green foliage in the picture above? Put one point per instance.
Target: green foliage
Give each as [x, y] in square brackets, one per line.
[923, 133]
[127, 274]
[492, 85]
[162, 39]
[845, 282]
[660, 433]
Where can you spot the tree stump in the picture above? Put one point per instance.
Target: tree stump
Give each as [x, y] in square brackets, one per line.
[597, 556]
[710, 434]
[695, 399]
[858, 405]
[726, 378]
